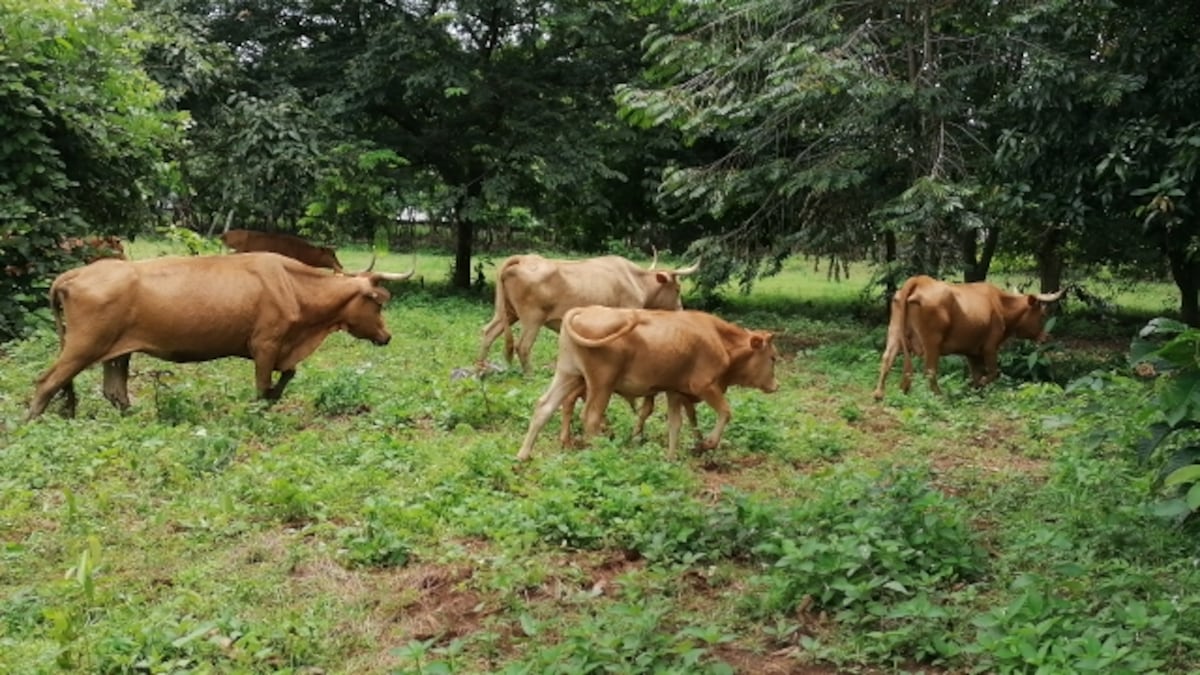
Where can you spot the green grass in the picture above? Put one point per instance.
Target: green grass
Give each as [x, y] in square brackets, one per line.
[374, 520]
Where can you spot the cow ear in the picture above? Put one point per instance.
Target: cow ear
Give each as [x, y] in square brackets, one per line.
[663, 277]
[1033, 300]
[757, 342]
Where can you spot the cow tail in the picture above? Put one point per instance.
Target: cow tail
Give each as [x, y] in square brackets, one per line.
[905, 294]
[578, 339]
[501, 316]
[57, 295]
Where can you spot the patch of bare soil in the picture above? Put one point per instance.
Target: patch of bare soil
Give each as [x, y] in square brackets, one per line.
[419, 602]
[780, 662]
[594, 572]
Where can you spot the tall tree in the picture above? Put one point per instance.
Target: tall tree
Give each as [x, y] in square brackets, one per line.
[506, 100]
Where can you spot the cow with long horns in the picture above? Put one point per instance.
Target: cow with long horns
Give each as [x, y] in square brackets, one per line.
[931, 318]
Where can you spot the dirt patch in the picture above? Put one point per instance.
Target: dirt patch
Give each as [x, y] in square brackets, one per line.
[419, 602]
[780, 662]
[435, 602]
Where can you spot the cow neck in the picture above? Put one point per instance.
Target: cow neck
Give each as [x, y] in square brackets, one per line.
[323, 297]
[1014, 306]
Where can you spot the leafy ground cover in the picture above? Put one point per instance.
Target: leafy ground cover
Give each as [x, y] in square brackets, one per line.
[374, 520]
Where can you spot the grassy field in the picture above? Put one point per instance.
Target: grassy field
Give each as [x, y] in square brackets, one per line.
[374, 520]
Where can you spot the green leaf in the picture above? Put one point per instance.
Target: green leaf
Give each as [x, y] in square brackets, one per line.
[1171, 508]
[1179, 395]
[1187, 474]
[1193, 496]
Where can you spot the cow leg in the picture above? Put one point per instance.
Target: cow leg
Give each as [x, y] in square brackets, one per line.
[991, 365]
[716, 398]
[276, 391]
[674, 422]
[593, 409]
[264, 370]
[933, 351]
[689, 407]
[492, 331]
[529, 331]
[57, 378]
[560, 387]
[885, 366]
[568, 413]
[643, 413]
[116, 381]
[978, 373]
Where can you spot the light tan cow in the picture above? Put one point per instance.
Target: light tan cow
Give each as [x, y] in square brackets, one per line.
[538, 291]
[931, 318]
[638, 352]
[260, 306]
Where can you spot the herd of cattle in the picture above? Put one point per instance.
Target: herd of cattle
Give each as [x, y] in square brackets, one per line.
[621, 328]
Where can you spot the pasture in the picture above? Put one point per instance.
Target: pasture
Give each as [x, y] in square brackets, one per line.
[374, 520]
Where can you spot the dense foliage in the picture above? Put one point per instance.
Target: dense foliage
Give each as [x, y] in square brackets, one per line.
[83, 143]
[930, 137]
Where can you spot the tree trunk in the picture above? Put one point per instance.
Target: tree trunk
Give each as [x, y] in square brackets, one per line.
[1050, 261]
[975, 264]
[464, 238]
[1187, 277]
[889, 261]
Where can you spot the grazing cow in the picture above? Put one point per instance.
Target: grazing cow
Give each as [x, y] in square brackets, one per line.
[259, 306]
[538, 291]
[246, 241]
[932, 318]
[636, 352]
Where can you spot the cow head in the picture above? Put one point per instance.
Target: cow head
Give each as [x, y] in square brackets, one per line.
[755, 366]
[1031, 321]
[667, 289]
[363, 315]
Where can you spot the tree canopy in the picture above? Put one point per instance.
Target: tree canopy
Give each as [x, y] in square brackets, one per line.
[928, 137]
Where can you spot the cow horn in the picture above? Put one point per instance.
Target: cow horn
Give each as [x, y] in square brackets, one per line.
[691, 269]
[396, 276]
[654, 262]
[369, 267]
[1050, 297]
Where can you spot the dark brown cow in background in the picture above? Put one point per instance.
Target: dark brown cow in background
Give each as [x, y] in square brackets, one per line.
[637, 352]
[538, 291]
[931, 318]
[260, 306]
[246, 241]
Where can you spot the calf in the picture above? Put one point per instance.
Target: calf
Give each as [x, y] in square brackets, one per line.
[636, 352]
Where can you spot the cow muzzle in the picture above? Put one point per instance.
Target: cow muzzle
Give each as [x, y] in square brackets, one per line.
[382, 340]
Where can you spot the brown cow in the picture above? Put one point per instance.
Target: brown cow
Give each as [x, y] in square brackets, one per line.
[932, 318]
[538, 291]
[260, 306]
[245, 241]
[635, 352]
